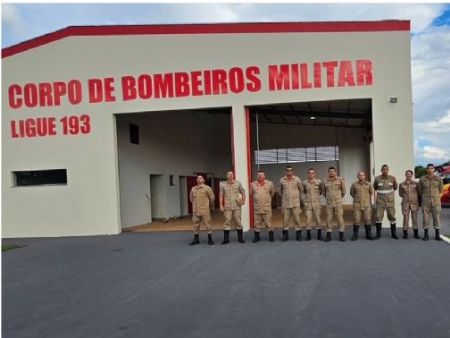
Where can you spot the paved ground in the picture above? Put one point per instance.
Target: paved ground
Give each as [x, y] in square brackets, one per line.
[185, 223]
[154, 285]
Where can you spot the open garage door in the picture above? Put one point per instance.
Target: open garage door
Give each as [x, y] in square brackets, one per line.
[158, 151]
[315, 135]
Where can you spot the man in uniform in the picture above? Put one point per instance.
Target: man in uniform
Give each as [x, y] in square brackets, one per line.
[202, 199]
[232, 197]
[313, 189]
[290, 190]
[361, 191]
[385, 185]
[333, 188]
[262, 191]
[430, 188]
[408, 191]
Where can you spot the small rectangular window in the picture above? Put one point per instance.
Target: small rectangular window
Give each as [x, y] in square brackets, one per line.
[171, 182]
[134, 133]
[266, 156]
[40, 177]
[282, 156]
[297, 155]
[326, 154]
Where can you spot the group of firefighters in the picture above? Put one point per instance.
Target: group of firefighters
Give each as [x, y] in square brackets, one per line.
[296, 194]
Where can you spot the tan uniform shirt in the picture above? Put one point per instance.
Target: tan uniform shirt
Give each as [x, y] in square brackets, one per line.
[430, 190]
[232, 195]
[333, 190]
[361, 192]
[290, 190]
[385, 187]
[408, 191]
[312, 190]
[202, 199]
[262, 196]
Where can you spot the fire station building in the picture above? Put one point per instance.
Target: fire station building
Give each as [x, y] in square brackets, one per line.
[106, 127]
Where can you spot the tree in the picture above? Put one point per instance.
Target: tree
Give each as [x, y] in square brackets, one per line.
[420, 171]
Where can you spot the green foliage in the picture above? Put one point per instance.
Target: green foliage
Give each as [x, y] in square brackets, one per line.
[6, 247]
[420, 171]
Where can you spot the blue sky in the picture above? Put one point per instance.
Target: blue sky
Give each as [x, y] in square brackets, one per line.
[430, 42]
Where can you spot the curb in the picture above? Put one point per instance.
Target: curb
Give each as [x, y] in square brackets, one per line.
[445, 239]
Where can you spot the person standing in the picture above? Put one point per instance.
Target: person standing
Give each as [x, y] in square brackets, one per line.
[312, 188]
[385, 186]
[232, 198]
[202, 199]
[290, 191]
[408, 191]
[430, 188]
[262, 191]
[333, 188]
[361, 191]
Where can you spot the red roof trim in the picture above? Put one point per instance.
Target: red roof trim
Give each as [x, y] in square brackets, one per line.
[225, 28]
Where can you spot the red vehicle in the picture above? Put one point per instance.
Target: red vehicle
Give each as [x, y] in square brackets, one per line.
[445, 195]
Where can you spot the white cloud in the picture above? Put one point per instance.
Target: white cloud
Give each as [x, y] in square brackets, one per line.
[430, 57]
[193, 13]
[13, 20]
[430, 72]
[439, 126]
[421, 15]
[435, 153]
[434, 137]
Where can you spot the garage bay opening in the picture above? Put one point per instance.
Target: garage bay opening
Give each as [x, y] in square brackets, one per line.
[160, 154]
[316, 135]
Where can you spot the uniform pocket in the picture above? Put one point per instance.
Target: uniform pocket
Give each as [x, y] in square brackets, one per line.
[390, 198]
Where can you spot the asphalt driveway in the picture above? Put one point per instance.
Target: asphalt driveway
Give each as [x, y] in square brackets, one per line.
[155, 285]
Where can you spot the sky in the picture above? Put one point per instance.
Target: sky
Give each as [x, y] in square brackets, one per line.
[430, 42]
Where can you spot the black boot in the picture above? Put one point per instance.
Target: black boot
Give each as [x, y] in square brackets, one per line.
[405, 234]
[298, 235]
[271, 238]
[210, 241]
[240, 237]
[341, 236]
[256, 238]
[226, 237]
[328, 238]
[368, 229]
[319, 234]
[394, 231]
[416, 234]
[308, 235]
[285, 236]
[195, 240]
[437, 236]
[378, 226]
[355, 232]
[425, 235]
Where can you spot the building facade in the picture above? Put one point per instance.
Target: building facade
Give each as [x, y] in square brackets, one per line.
[105, 127]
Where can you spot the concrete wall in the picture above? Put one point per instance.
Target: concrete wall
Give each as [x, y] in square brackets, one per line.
[171, 143]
